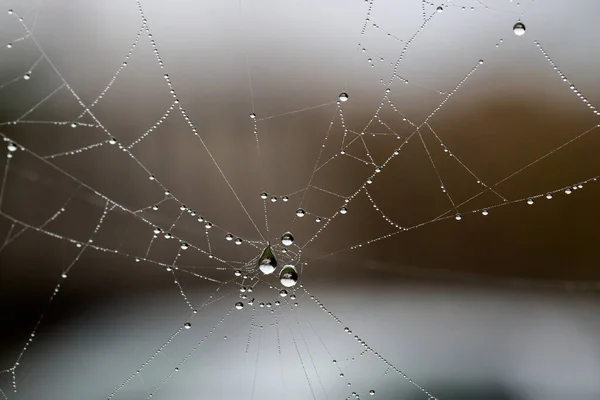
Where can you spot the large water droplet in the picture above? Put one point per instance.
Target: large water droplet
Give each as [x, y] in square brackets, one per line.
[267, 262]
[300, 213]
[519, 29]
[287, 239]
[343, 96]
[288, 276]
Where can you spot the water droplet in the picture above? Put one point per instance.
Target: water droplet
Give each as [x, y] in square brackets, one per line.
[283, 293]
[64, 275]
[343, 96]
[273, 199]
[183, 207]
[267, 261]
[287, 239]
[238, 241]
[458, 217]
[264, 195]
[10, 12]
[439, 9]
[208, 225]
[27, 76]
[157, 230]
[530, 201]
[184, 246]
[318, 219]
[155, 208]
[371, 392]
[343, 210]
[237, 272]
[300, 213]
[73, 125]
[112, 140]
[285, 198]
[568, 191]
[239, 305]
[293, 297]
[288, 276]
[168, 235]
[485, 212]
[187, 325]
[229, 237]
[253, 115]
[549, 196]
[11, 147]
[519, 29]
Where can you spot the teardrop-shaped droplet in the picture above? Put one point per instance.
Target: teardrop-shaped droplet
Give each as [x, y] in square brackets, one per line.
[343, 96]
[288, 276]
[287, 239]
[264, 195]
[267, 262]
[300, 213]
[519, 29]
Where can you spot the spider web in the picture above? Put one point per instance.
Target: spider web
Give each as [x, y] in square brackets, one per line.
[170, 205]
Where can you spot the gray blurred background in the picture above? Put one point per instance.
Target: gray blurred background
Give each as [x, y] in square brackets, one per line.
[502, 306]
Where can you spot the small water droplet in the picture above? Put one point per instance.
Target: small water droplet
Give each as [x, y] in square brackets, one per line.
[237, 272]
[187, 325]
[229, 237]
[285, 198]
[458, 217]
[549, 196]
[568, 191]
[530, 201]
[27, 76]
[73, 125]
[287, 239]
[273, 199]
[208, 225]
[485, 212]
[155, 208]
[343, 210]
[439, 9]
[238, 241]
[267, 261]
[11, 147]
[519, 28]
[300, 213]
[157, 230]
[343, 96]
[239, 305]
[112, 140]
[264, 195]
[253, 115]
[288, 276]
[371, 392]
[184, 246]
[283, 293]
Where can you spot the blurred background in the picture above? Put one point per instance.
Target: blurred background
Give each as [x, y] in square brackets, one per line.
[464, 157]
